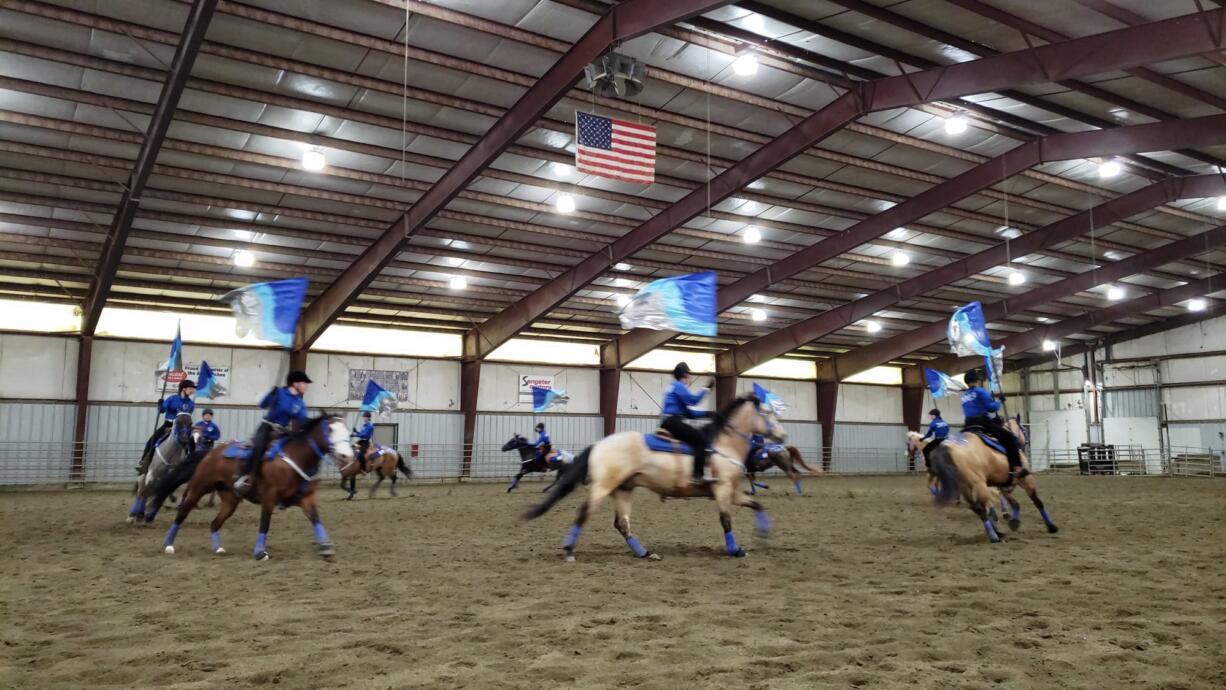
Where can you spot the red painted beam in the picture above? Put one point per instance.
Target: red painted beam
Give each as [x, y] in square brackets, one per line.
[778, 343]
[197, 25]
[1096, 54]
[879, 353]
[85, 351]
[624, 21]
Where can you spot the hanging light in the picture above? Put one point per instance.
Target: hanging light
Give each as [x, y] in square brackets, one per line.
[621, 266]
[1221, 203]
[1197, 304]
[458, 283]
[1008, 233]
[1017, 278]
[313, 160]
[757, 314]
[244, 259]
[622, 301]
[955, 125]
[1110, 168]
[1049, 346]
[1115, 293]
[872, 326]
[746, 65]
[900, 259]
[562, 169]
[1042, 319]
[565, 203]
[752, 235]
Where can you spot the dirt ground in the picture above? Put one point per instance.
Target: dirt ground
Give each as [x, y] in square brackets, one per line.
[862, 585]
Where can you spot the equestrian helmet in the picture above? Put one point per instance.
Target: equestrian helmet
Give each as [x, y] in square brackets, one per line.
[206, 411]
[540, 426]
[934, 412]
[297, 377]
[185, 384]
[972, 376]
[366, 415]
[681, 371]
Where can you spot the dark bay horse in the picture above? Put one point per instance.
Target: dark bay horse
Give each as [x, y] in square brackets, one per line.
[786, 458]
[173, 451]
[287, 477]
[530, 463]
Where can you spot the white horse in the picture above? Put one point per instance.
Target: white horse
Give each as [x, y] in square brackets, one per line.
[621, 462]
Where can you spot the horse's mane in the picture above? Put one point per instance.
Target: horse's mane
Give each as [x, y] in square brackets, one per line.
[314, 422]
[720, 419]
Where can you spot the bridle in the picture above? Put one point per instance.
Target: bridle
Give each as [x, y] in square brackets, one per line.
[320, 453]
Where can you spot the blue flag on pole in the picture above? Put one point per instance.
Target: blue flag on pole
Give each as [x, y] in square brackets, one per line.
[269, 310]
[174, 362]
[968, 337]
[681, 303]
[545, 398]
[941, 384]
[770, 399]
[205, 381]
[377, 399]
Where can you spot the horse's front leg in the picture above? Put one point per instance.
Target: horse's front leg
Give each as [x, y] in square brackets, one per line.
[266, 508]
[515, 481]
[724, 499]
[761, 521]
[311, 510]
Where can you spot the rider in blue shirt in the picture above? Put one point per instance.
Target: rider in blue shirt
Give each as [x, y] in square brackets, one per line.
[543, 444]
[171, 408]
[285, 406]
[209, 432]
[980, 408]
[938, 431]
[678, 406]
[364, 436]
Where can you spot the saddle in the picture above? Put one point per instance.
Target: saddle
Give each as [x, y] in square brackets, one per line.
[984, 436]
[242, 451]
[663, 442]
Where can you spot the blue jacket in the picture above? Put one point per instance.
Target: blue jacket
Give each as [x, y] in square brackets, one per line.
[173, 406]
[283, 407]
[542, 440]
[977, 402]
[938, 429]
[678, 400]
[208, 431]
[367, 432]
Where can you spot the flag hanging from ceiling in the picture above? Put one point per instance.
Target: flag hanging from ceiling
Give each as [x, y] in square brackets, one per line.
[377, 399]
[545, 398]
[615, 149]
[269, 310]
[681, 303]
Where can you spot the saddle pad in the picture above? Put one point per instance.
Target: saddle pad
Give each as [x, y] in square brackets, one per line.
[983, 436]
[242, 451]
[379, 450]
[663, 445]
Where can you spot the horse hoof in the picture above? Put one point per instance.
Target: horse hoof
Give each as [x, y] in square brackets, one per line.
[1014, 525]
[1052, 529]
[327, 550]
[763, 533]
[569, 558]
[170, 549]
[394, 494]
[652, 556]
[219, 551]
[261, 556]
[740, 553]
[131, 519]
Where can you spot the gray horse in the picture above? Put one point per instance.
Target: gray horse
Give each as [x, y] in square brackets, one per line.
[171, 453]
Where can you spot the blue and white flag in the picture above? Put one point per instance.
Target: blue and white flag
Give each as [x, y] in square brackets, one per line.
[545, 398]
[776, 404]
[968, 337]
[269, 310]
[377, 399]
[681, 303]
[174, 362]
[941, 384]
[206, 382]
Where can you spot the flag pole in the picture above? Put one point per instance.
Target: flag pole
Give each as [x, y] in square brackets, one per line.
[165, 375]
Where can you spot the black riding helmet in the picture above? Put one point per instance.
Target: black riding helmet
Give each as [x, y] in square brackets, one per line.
[681, 371]
[365, 415]
[185, 384]
[540, 426]
[934, 412]
[296, 377]
[972, 376]
[206, 411]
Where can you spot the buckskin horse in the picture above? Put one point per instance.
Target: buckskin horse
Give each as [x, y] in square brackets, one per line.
[619, 463]
[529, 462]
[175, 448]
[286, 477]
[966, 465]
[383, 461]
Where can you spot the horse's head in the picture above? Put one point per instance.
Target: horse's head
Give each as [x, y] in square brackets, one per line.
[913, 442]
[516, 441]
[182, 429]
[747, 415]
[330, 436]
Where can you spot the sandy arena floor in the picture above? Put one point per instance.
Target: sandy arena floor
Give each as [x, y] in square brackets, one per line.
[863, 585]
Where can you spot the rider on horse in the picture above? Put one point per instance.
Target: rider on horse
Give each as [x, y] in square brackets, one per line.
[938, 431]
[364, 436]
[543, 444]
[209, 432]
[181, 403]
[678, 406]
[980, 408]
[284, 405]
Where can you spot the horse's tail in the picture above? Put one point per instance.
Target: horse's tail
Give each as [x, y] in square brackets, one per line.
[403, 467]
[569, 480]
[947, 476]
[798, 460]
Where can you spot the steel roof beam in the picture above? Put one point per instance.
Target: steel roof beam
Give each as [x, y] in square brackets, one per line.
[881, 352]
[1096, 54]
[197, 25]
[624, 21]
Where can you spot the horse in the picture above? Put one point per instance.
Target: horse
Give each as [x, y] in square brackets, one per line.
[916, 443]
[383, 461]
[786, 458]
[966, 465]
[529, 462]
[619, 463]
[286, 477]
[176, 446]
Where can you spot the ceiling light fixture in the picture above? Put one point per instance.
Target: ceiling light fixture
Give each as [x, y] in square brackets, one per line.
[1221, 203]
[1115, 293]
[565, 203]
[1197, 304]
[622, 301]
[900, 259]
[752, 235]
[746, 65]
[1049, 346]
[314, 160]
[1017, 278]
[562, 169]
[621, 266]
[458, 283]
[757, 314]
[244, 259]
[1110, 168]
[955, 125]
[872, 326]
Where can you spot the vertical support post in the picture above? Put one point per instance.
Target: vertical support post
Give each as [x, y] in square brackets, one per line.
[725, 390]
[827, 402]
[610, 385]
[470, 381]
[297, 360]
[912, 405]
[85, 351]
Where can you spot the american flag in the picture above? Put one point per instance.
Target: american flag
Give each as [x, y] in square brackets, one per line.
[616, 149]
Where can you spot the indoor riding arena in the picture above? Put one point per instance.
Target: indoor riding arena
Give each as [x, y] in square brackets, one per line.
[593, 344]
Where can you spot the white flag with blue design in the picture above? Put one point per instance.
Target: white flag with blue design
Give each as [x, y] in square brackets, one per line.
[270, 311]
[685, 304]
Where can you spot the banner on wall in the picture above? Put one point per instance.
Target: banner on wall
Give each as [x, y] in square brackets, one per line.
[395, 382]
[221, 379]
[529, 381]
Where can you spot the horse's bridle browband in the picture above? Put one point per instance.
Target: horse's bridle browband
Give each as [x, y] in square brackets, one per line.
[320, 453]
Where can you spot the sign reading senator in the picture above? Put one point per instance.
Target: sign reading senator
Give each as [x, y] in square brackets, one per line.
[529, 381]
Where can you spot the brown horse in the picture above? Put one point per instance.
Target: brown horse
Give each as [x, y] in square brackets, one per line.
[916, 443]
[786, 458]
[287, 478]
[383, 461]
[965, 465]
[623, 461]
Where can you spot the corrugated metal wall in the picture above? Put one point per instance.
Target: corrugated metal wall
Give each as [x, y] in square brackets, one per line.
[35, 442]
[869, 447]
[644, 425]
[569, 432]
[1136, 402]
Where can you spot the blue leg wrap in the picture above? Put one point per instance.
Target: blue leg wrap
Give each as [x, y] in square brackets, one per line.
[216, 536]
[571, 537]
[753, 488]
[1017, 512]
[1046, 517]
[730, 543]
[638, 549]
[991, 530]
[138, 507]
[763, 522]
[170, 534]
[933, 490]
[321, 534]
[261, 542]
[150, 515]
[799, 491]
